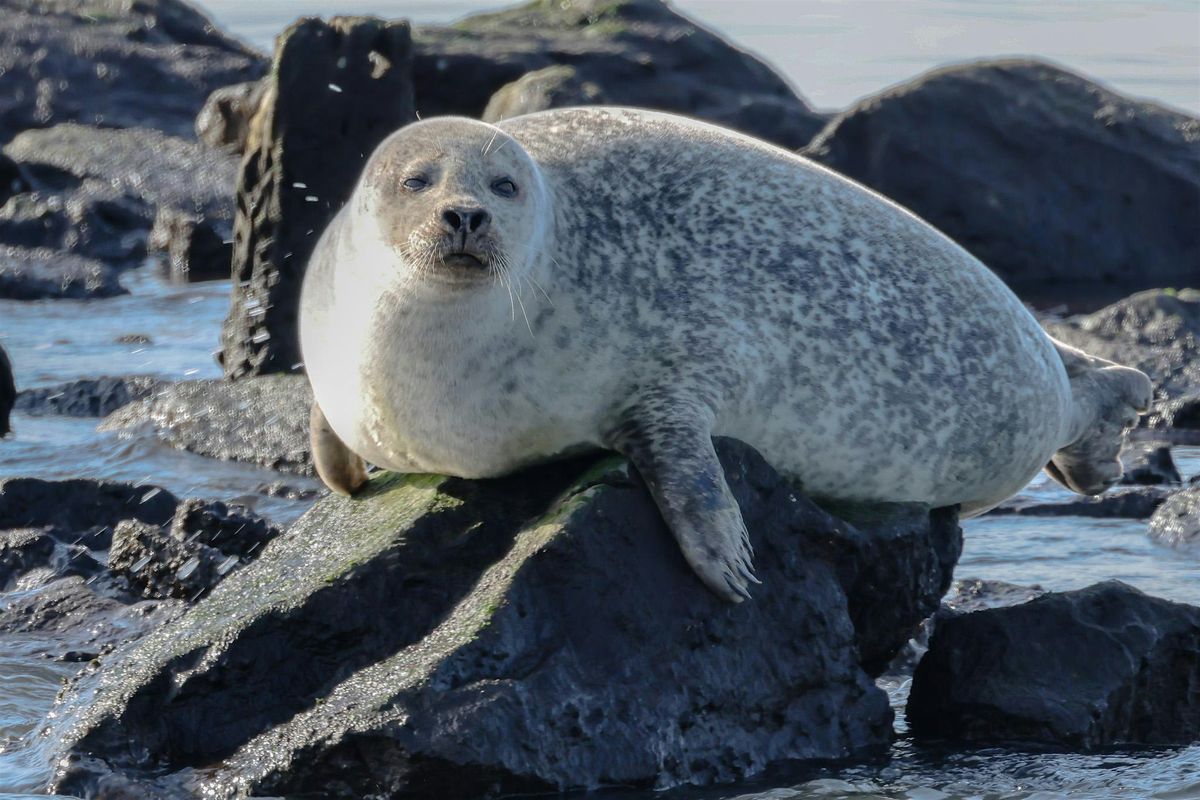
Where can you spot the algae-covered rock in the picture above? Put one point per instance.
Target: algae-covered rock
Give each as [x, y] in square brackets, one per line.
[439, 637]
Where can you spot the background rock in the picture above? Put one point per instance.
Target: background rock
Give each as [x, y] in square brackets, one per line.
[634, 52]
[552, 635]
[1148, 463]
[225, 119]
[88, 397]
[302, 162]
[12, 182]
[553, 87]
[260, 421]
[1041, 174]
[1132, 503]
[39, 274]
[8, 393]
[1095, 667]
[113, 63]
[1176, 523]
[193, 248]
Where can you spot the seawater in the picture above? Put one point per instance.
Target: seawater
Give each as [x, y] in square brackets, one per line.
[833, 52]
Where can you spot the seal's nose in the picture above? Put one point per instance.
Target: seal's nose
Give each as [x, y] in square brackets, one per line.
[465, 220]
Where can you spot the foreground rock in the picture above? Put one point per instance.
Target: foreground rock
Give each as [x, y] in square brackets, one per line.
[622, 52]
[97, 193]
[439, 637]
[42, 274]
[1177, 522]
[1100, 666]
[88, 397]
[256, 421]
[118, 64]
[335, 91]
[1014, 159]
[1157, 331]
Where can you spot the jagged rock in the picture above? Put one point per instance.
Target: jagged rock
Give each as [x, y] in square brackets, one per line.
[553, 87]
[88, 397]
[1157, 331]
[1148, 463]
[1099, 666]
[8, 393]
[634, 52]
[1133, 503]
[225, 119]
[1176, 523]
[1040, 173]
[195, 250]
[303, 158]
[260, 420]
[40, 274]
[112, 63]
[98, 191]
[438, 637]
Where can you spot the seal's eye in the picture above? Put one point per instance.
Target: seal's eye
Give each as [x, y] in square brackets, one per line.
[504, 187]
[415, 184]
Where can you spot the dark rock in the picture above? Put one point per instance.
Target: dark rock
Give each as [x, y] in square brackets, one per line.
[1100, 666]
[81, 507]
[22, 550]
[195, 250]
[1133, 503]
[1176, 523]
[133, 338]
[1148, 463]
[260, 421]
[112, 63]
[89, 397]
[225, 119]
[8, 393]
[69, 606]
[99, 192]
[1040, 173]
[336, 90]
[289, 492]
[553, 87]
[1179, 415]
[40, 274]
[438, 637]
[12, 182]
[633, 52]
[1156, 331]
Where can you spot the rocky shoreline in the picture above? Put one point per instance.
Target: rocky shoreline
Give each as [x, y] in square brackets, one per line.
[551, 637]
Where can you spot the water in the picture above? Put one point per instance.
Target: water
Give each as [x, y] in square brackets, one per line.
[836, 51]
[833, 52]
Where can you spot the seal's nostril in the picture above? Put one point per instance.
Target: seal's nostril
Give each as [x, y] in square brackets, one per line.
[452, 218]
[477, 220]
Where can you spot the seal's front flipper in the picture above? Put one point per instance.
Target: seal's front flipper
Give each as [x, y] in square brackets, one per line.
[1106, 399]
[340, 469]
[675, 457]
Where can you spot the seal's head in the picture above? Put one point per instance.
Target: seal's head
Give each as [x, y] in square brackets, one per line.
[459, 201]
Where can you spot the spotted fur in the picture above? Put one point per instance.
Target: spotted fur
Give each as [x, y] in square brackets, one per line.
[668, 281]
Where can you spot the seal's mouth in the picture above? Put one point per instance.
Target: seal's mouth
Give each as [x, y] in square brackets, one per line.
[463, 260]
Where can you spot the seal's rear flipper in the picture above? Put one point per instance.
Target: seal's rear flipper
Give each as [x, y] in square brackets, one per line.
[340, 468]
[1107, 400]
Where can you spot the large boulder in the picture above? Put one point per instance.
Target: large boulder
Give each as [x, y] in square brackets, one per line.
[335, 91]
[629, 52]
[1040, 173]
[97, 192]
[260, 420]
[1099, 666]
[438, 637]
[113, 63]
[1176, 523]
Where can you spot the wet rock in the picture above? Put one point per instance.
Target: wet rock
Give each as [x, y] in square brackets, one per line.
[551, 636]
[1180, 416]
[12, 182]
[8, 393]
[553, 87]
[98, 192]
[194, 249]
[89, 397]
[117, 64]
[1148, 463]
[1040, 173]
[1176, 523]
[225, 119]
[133, 338]
[259, 421]
[633, 52]
[1100, 666]
[1157, 331]
[69, 508]
[289, 492]
[1133, 503]
[336, 90]
[41, 274]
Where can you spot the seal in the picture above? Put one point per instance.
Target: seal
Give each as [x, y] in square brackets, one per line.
[492, 296]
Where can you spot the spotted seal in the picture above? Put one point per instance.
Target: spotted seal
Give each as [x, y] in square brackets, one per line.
[492, 296]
